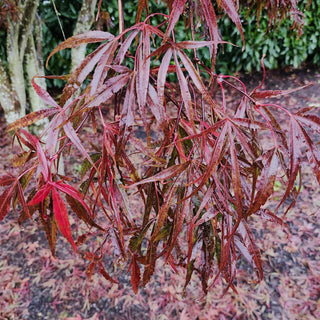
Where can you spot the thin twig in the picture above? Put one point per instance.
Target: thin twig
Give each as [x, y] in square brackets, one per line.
[57, 14]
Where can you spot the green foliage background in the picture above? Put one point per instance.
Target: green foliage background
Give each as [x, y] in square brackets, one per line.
[281, 45]
[52, 34]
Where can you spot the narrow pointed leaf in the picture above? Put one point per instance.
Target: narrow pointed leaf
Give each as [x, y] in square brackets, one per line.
[72, 135]
[143, 68]
[129, 105]
[265, 183]
[312, 152]
[269, 216]
[196, 78]
[31, 118]
[156, 108]
[163, 212]
[81, 211]
[274, 93]
[53, 134]
[135, 275]
[150, 263]
[105, 274]
[180, 215]
[110, 87]
[178, 7]
[235, 178]
[5, 199]
[61, 215]
[136, 239]
[249, 250]
[87, 65]
[208, 215]
[210, 20]
[90, 269]
[281, 137]
[7, 179]
[164, 174]
[162, 75]
[81, 73]
[51, 229]
[211, 130]
[34, 144]
[43, 94]
[199, 44]
[190, 269]
[122, 200]
[207, 197]
[185, 93]
[310, 120]
[155, 30]
[142, 4]
[295, 158]
[102, 67]
[124, 47]
[161, 50]
[250, 124]
[217, 153]
[28, 142]
[147, 151]
[84, 38]
[248, 146]
[21, 158]
[67, 189]
[43, 162]
[22, 200]
[40, 195]
[230, 8]
[86, 165]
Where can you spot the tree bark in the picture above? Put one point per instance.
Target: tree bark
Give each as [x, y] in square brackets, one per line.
[84, 23]
[33, 65]
[8, 99]
[16, 69]
[24, 57]
[19, 36]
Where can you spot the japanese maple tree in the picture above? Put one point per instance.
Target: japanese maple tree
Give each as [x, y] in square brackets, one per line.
[178, 170]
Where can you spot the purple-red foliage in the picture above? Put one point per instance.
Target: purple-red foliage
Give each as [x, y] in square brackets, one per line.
[179, 171]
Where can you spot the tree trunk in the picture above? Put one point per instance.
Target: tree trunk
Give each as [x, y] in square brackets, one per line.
[20, 46]
[84, 23]
[16, 69]
[33, 63]
[24, 57]
[7, 98]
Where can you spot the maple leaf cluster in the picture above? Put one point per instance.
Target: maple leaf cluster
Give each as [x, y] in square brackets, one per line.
[184, 191]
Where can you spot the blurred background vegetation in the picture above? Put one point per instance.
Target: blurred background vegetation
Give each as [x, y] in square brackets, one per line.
[281, 45]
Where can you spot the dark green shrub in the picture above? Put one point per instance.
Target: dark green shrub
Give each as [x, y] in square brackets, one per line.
[281, 45]
[52, 34]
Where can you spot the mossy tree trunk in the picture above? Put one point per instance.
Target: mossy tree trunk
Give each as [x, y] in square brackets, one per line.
[24, 57]
[84, 23]
[8, 98]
